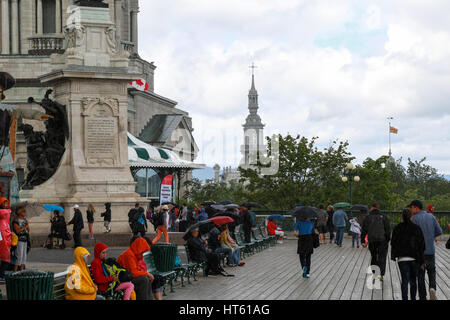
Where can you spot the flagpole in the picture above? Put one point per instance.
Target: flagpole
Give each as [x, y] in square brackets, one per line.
[390, 153]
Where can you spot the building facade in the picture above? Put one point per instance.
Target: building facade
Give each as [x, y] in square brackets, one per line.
[33, 30]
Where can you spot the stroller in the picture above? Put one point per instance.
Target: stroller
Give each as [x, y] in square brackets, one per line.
[58, 233]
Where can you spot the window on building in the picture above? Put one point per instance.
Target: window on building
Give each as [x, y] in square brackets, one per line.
[49, 16]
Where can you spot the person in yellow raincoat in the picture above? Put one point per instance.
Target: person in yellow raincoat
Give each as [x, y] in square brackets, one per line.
[79, 284]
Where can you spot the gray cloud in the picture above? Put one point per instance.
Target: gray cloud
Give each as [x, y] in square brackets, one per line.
[203, 50]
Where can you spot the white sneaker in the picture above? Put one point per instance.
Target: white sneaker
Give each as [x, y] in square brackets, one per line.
[433, 294]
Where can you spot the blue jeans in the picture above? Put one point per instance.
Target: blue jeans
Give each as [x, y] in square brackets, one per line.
[339, 235]
[237, 256]
[408, 271]
[430, 268]
[355, 236]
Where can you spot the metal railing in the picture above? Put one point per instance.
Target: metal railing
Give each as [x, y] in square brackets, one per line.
[395, 217]
[46, 44]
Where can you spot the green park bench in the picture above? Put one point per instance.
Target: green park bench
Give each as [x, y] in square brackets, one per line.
[197, 265]
[259, 236]
[168, 276]
[249, 248]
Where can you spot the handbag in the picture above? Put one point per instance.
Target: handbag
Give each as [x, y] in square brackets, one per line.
[316, 240]
[447, 245]
[68, 237]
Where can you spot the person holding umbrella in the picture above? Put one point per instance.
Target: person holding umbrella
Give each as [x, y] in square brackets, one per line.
[303, 230]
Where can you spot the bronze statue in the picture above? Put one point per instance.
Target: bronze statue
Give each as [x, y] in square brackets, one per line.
[45, 149]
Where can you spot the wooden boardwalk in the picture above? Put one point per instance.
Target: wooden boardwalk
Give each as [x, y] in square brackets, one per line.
[336, 274]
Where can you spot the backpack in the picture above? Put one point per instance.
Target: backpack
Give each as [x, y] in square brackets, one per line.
[115, 269]
[376, 227]
[158, 219]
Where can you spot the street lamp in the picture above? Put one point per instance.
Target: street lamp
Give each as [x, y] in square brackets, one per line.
[350, 175]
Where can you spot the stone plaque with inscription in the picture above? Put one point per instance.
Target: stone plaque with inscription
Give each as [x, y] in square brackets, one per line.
[101, 130]
[101, 137]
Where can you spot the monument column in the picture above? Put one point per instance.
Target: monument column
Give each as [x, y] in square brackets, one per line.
[118, 20]
[134, 26]
[40, 14]
[5, 27]
[15, 26]
[58, 16]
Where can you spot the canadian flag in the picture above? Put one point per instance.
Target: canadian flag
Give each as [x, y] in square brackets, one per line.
[140, 84]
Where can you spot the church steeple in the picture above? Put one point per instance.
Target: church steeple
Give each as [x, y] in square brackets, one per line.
[253, 145]
[253, 120]
[253, 94]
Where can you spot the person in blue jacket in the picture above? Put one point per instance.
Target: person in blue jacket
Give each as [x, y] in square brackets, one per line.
[304, 231]
[340, 222]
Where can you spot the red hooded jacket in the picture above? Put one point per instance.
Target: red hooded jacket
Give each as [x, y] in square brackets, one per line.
[271, 227]
[100, 279]
[132, 257]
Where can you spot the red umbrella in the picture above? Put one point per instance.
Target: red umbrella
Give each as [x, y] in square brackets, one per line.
[219, 220]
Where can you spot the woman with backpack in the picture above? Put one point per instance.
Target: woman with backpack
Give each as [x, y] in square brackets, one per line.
[160, 222]
[139, 225]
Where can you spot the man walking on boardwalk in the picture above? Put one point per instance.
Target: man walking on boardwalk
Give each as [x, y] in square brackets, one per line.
[376, 226]
[430, 229]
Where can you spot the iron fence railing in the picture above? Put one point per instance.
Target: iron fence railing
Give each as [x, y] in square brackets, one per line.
[395, 217]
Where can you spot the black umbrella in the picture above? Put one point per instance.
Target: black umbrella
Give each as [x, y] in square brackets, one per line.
[251, 205]
[7, 81]
[208, 203]
[218, 207]
[359, 207]
[305, 212]
[204, 227]
[224, 202]
[232, 206]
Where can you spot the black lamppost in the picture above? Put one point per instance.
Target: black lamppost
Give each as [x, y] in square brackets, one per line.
[350, 175]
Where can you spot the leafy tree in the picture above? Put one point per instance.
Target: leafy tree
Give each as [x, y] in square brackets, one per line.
[305, 174]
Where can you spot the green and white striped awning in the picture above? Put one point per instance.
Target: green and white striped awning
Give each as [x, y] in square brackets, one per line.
[143, 155]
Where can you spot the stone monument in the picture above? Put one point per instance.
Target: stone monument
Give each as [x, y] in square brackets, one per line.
[90, 78]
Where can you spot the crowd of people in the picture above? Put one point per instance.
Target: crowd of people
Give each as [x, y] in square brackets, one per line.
[412, 242]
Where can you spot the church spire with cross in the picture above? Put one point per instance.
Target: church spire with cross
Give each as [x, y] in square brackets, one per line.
[253, 127]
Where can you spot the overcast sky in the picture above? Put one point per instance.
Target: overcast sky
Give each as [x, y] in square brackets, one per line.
[335, 69]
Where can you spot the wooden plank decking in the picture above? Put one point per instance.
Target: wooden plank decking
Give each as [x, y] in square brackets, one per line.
[336, 274]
